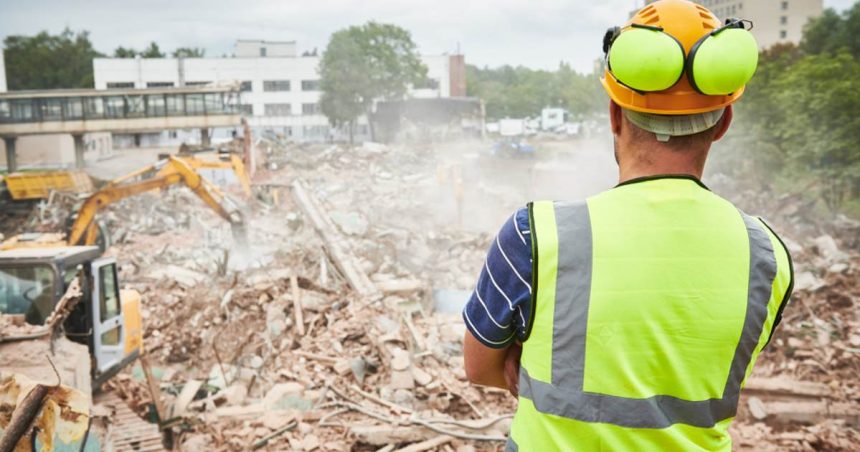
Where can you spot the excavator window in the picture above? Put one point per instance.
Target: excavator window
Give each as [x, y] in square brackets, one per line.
[27, 291]
[109, 302]
[76, 325]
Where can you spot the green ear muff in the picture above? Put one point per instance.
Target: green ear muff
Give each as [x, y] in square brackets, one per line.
[723, 62]
[646, 59]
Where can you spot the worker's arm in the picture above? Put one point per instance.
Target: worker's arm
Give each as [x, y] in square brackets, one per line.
[496, 313]
[497, 367]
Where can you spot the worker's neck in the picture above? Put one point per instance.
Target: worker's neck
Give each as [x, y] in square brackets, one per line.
[659, 162]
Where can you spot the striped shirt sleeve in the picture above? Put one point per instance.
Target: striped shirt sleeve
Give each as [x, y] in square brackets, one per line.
[499, 308]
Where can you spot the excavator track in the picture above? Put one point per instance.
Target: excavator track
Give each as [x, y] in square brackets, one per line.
[128, 432]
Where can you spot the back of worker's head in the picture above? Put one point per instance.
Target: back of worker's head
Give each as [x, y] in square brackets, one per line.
[674, 70]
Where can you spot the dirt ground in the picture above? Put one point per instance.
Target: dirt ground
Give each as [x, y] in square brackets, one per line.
[337, 326]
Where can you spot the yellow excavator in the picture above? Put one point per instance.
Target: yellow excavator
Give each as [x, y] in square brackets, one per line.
[103, 328]
[232, 162]
[85, 230]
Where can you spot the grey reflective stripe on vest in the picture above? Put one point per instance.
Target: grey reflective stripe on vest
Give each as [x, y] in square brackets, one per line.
[511, 446]
[565, 396]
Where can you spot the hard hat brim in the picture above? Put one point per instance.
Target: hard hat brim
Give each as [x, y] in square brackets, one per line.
[683, 101]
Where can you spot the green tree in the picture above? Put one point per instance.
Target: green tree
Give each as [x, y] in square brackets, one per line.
[152, 51]
[799, 120]
[48, 61]
[522, 92]
[189, 52]
[364, 64]
[833, 31]
[823, 126]
[344, 74]
[124, 52]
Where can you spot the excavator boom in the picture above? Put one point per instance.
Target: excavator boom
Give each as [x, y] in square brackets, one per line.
[171, 171]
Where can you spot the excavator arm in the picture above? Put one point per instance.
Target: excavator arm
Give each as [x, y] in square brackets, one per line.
[169, 172]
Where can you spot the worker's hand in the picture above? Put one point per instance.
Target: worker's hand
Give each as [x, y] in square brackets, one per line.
[512, 368]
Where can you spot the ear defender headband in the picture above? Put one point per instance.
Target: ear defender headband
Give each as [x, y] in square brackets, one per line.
[646, 59]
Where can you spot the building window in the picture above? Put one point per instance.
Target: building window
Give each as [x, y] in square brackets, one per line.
[262, 51]
[120, 85]
[246, 86]
[175, 104]
[51, 109]
[194, 104]
[783, 20]
[159, 84]
[310, 109]
[155, 105]
[278, 109]
[783, 34]
[73, 108]
[315, 131]
[198, 83]
[784, 6]
[276, 85]
[114, 107]
[94, 107]
[134, 106]
[429, 83]
[246, 109]
[310, 85]
[21, 109]
[213, 103]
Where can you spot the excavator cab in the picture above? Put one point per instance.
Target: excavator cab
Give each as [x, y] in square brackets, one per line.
[107, 319]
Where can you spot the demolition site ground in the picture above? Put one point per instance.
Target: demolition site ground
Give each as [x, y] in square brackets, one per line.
[337, 326]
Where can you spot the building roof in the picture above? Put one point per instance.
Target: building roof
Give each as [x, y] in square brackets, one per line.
[87, 92]
[59, 252]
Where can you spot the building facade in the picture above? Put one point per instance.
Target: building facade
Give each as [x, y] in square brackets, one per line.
[2, 73]
[280, 89]
[776, 21]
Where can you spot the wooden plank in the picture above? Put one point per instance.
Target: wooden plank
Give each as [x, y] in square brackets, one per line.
[154, 392]
[786, 386]
[297, 305]
[427, 445]
[345, 261]
[185, 397]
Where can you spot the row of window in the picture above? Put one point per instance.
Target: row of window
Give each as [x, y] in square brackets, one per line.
[283, 109]
[130, 85]
[109, 107]
[269, 86]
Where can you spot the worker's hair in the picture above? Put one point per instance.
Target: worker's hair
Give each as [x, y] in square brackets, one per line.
[697, 141]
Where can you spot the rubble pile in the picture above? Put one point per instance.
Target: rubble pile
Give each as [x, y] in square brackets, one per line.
[811, 401]
[811, 366]
[338, 328]
[272, 346]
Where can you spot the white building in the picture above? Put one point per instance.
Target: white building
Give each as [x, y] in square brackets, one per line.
[776, 21]
[280, 89]
[247, 48]
[2, 73]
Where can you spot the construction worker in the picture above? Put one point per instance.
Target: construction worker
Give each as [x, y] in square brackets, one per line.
[630, 320]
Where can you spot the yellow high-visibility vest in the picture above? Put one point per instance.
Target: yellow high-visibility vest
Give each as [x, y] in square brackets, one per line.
[651, 302]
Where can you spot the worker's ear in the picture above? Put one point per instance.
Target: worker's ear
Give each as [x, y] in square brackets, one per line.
[724, 123]
[615, 118]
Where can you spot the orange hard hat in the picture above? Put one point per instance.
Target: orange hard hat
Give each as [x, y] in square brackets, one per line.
[687, 22]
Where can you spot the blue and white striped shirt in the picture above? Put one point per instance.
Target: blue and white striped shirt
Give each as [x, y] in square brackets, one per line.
[499, 309]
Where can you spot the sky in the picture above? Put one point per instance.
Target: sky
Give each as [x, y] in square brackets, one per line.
[533, 33]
